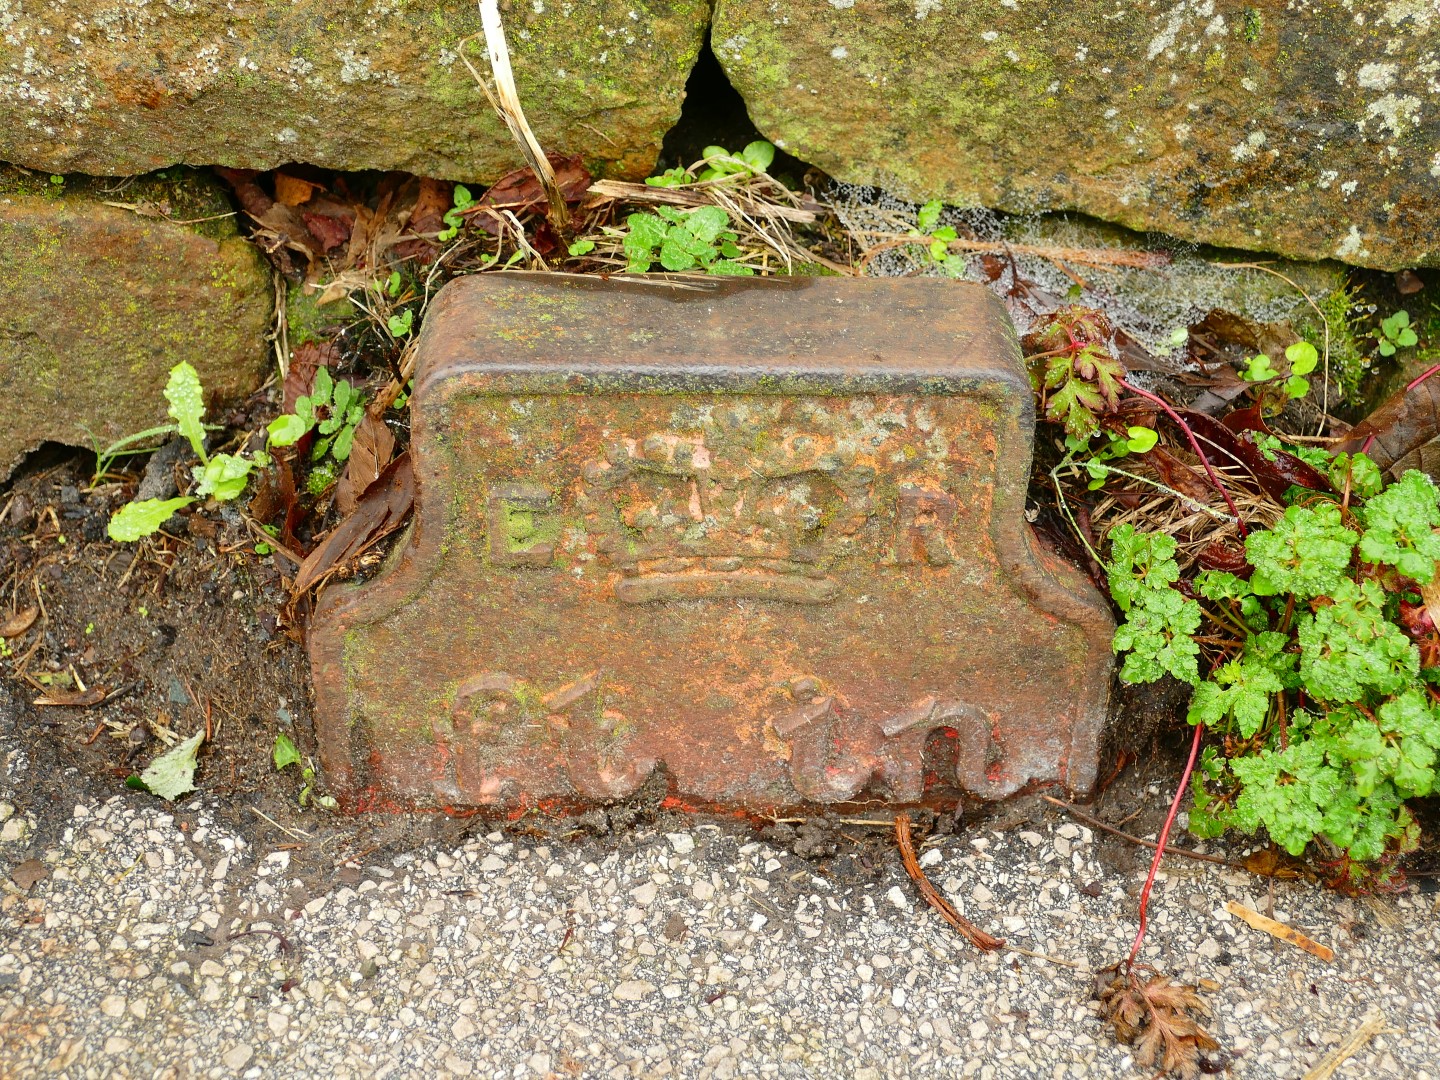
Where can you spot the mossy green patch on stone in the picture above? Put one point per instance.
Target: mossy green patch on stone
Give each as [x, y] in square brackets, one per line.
[102, 301]
[340, 85]
[1307, 130]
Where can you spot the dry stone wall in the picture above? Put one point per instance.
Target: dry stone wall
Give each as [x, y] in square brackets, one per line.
[125, 86]
[1305, 127]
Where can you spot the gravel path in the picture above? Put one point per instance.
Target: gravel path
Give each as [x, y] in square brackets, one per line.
[149, 951]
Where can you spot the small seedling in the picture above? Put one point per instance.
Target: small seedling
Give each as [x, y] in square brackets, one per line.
[720, 164]
[399, 325]
[393, 284]
[1395, 333]
[221, 476]
[1302, 359]
[581, 247]
[285, 753]
[684, 240]
[938, 238]
[454, 217]
[333, 408]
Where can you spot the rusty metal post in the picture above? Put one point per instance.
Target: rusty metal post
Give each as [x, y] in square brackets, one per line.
[767, 536]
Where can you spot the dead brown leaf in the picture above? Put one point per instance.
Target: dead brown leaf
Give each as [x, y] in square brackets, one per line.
[18, 623]
[77, 699]
[292, 191]
[370, 452]
[520, 191]
[304, 362]
[380, 511]
[28, 873]
[1403, 433]
[426, 219]
[1156, 1016]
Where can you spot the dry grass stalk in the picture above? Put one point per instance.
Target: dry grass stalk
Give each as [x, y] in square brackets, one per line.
[1102, 257]
[1373, 1025]
[506, 102]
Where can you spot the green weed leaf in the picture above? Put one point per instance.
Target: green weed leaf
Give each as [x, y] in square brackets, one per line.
[137, 519]
[285, 752]
[172, 774]
[1307, 553]
[1400, 525]
[187, 405]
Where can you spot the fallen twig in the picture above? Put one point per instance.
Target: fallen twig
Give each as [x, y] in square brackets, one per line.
[1094, 822]
[1373, 1025]
[1279, 930]
[933, 896]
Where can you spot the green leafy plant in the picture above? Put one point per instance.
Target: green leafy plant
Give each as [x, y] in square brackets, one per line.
[1395, 333]
[333, 409]
[455, 216]
[699, 239]
[1319, 666]
[720, 164]
[219, 476]
[285, 753]
[1302, 358]
[400, 323]
[1075, 370]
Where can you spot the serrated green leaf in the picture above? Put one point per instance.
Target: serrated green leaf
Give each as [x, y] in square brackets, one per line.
[323, 388]
[1400, 525]
[674, 257]
[1350, 650]
[187, 405]
[929, 215]
[707, 223]
[1364, 475]
[1307, 553]
[137, 519]
[172, 774]
[731, 268]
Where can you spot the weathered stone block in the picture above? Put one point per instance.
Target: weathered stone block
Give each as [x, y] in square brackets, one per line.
[124, 86]
[1308, 129]
[101, 302]
[767, 535]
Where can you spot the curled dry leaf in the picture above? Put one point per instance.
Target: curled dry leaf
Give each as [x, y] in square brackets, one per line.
[380, 511]
[521, 191]
[370, 452]
[1157, 1016]
[292, 191]
[1403, 433]
[18, 623]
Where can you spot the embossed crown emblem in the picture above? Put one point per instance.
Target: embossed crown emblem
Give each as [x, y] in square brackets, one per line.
[691, 516]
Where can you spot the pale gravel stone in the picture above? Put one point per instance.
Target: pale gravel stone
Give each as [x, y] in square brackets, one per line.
[626, 956]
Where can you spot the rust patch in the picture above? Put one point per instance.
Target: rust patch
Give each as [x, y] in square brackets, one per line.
[767, 535]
